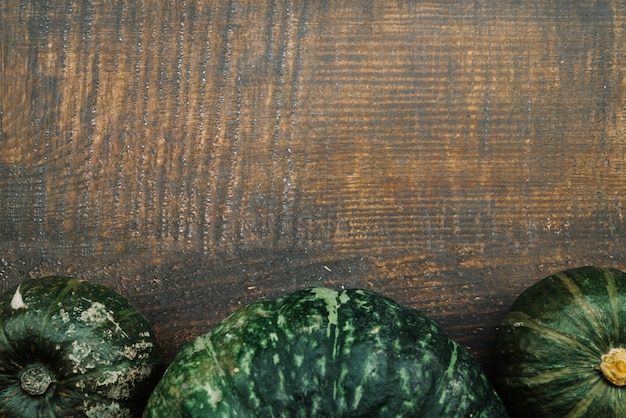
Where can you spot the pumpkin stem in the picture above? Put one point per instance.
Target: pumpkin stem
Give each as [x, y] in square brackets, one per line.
[613, 366]
[35, 380]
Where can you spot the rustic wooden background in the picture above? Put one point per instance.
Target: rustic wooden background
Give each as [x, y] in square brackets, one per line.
[198, 155]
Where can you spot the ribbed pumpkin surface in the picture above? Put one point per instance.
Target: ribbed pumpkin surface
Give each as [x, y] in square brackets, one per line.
[71, 348]
[559, 349]
[323, 353]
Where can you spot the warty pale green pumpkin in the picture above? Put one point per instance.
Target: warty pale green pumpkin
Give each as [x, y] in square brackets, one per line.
[324, 353]
[561, 349]
[73, 348]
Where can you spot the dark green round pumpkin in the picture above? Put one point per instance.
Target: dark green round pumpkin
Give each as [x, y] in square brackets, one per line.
[561, 349]
[72, 348]
[322, 353]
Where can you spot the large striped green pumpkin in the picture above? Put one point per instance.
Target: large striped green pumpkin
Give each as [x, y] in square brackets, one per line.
[561, 349]
[323, 353]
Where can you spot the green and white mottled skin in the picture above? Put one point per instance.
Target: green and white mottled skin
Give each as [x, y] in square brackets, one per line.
[73, 348]
[323, 353]
[550, 345]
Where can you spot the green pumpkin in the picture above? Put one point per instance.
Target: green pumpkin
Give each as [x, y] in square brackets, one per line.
[71, 348]
[322, 353]
[561, 349]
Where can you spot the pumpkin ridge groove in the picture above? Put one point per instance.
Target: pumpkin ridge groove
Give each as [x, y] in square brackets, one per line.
[581, 408]
[617, 402]
[611, 289]
[77, 394]
[545, 376]
[5, 339]
[54, 306]
[521, 319]
[591, 319]
[221, 372]
[50, 407]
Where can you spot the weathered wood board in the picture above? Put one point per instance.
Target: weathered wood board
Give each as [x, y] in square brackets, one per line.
[197, 155]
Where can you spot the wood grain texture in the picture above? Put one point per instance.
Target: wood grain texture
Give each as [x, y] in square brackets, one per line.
[197, 155]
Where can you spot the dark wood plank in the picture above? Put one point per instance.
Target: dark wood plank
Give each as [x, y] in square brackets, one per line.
[199, 155]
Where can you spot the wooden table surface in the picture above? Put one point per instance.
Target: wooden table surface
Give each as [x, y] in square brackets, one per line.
[199, 155]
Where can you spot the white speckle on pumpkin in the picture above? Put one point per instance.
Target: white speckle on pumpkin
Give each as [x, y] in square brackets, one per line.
[71, 330]
[344, 297]
[17, 302]
[518, 324]
[119, 384]
[65, 316]
[109, 377]
[298, 359]
[215, 395]
[81, 352]
[97, 314]
[84, 358]
[141, 349]
[101, 410]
